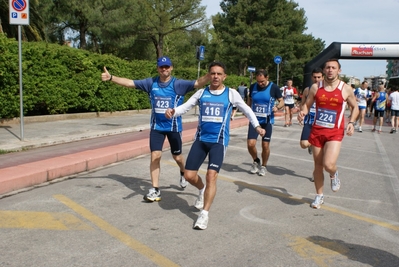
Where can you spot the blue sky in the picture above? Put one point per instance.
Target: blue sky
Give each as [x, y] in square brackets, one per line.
[365, 21]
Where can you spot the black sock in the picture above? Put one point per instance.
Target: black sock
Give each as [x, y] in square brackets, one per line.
[156, 189]
[257, 160]
[182, 173]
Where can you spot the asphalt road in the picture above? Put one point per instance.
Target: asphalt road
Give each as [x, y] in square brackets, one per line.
[99, 218]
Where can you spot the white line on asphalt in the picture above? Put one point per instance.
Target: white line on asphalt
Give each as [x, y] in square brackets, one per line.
[389, 168]
[247, 214]
[311, 161]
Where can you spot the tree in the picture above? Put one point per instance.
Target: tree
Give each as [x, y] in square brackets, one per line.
[254, 32]
[160, 18]
[79, 16]
[32, 32]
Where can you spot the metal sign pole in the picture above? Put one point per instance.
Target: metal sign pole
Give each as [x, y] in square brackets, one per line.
[277, 74]
[198, 75]
[21, 99]
[278, 60]
[19, 15]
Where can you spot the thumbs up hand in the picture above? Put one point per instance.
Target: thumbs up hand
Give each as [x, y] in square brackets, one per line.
[105, 76]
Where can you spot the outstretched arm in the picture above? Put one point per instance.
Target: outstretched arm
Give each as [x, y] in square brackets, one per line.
[202, 81]
[106, 76]
[182, 109]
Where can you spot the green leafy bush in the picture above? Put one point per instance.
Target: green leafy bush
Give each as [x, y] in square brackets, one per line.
[60, 79]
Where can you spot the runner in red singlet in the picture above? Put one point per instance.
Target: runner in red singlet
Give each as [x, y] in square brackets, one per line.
[327, 132]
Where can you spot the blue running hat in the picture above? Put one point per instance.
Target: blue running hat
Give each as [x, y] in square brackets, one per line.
[164, 61]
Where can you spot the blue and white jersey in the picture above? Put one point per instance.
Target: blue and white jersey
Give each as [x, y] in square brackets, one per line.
[163, 96]
[380, 102]
[309, 118]
[263, 102]
[214, 117]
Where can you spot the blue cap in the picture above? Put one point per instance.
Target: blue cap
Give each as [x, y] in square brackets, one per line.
[164, 61]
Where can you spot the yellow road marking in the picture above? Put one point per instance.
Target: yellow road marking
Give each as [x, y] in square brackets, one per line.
[116, 233]
[41, 220]
[287, 196]
[325, 207]
[323, 253]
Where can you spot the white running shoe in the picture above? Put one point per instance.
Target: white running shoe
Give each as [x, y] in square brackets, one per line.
[254, 168]
[153, 195]
[199, 202]
[202, 222]
[262, 171]
[319, 199]
[183, 182]
[335, 182]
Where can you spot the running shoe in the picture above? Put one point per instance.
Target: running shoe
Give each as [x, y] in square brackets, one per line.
[199, 202]
[183, 182]
[254, 168]
[310, 150]
[319, 199]
[335, 182]
[373, 130]
[360, 130]
[392, 131]
[262, 171]
[153, 195]
[202, 222]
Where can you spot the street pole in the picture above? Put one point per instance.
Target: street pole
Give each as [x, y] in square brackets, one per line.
[21, 99]
[198, 75]
[277, 74]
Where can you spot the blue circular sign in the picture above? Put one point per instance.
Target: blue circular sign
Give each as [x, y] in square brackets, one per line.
[19, 5]
[277, 59]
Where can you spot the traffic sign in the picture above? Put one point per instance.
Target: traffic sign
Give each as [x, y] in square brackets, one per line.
[202, 53]
[251, 69]
[19, 12]
[277, 59]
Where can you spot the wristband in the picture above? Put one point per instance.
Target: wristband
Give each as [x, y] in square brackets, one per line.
[110, 79]
[352, 122]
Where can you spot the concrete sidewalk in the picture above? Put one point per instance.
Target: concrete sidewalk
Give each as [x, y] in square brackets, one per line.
[68, 149]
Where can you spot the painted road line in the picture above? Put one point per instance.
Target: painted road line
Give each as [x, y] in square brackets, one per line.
[41, 220]
[116, 233]
[310, 160]
[389, 168]
[301, 200]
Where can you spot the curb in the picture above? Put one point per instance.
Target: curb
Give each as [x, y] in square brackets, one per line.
[32, 174]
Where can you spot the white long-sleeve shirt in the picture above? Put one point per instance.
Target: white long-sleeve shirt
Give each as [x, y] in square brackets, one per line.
[234, 98]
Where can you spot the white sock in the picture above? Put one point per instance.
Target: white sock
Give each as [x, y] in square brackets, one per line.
[201, 192]
[204, 212]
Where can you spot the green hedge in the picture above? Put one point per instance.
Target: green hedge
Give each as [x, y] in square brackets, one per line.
[60, 79]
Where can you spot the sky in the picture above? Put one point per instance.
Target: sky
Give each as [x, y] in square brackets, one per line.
[361, 21]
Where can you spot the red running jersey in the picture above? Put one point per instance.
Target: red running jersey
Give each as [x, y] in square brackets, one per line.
[330, 108]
